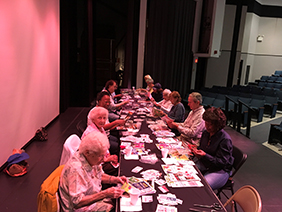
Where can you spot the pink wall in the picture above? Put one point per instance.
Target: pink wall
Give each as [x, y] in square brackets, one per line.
[29, 70]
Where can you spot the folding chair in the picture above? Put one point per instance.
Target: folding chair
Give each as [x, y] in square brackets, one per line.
[239, 160]
[247, 198]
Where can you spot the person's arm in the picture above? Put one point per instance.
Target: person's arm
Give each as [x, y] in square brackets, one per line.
[113, 180]
[111, 158]
[121, 104]
[156, 103]
[118, 96]
[173, 125]
[167, 108]
[113, 192]
[114, 124]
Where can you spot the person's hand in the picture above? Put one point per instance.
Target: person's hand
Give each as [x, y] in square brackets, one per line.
[198, 152]
[113, 192]
[172, 124]
[120, 180]
[162, 113]
[111, 158]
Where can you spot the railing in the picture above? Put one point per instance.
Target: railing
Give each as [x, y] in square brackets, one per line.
[237, 116]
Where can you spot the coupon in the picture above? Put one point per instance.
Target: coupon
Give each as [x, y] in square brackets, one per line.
[163, 189]
[137, 169]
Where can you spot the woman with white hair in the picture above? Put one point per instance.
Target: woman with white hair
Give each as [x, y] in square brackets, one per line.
[99, 117]
[165, 105]
[81, 178]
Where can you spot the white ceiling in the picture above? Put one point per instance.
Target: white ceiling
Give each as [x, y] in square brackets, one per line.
[270, 2]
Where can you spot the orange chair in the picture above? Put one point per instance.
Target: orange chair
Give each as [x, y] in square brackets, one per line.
[47, 200]
[247, 198]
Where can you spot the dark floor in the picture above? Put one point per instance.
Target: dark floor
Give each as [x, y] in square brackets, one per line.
[262, 169]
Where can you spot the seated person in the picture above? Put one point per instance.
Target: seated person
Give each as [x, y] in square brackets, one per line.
[157, 93]
[192, 128]
[165, 105]
[110, 87]
[103, 100]
[99, 116]
[81, 178]
[177, 111]
[214, 154]
[150, 84]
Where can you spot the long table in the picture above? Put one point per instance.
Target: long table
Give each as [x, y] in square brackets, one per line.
[189, 195]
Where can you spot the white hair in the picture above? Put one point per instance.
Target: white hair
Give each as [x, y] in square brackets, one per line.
[95, 112]
[95, 142]
[166, 91]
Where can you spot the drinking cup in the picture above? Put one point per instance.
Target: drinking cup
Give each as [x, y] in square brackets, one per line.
[128, 151]
[164, 153]
[134, 195]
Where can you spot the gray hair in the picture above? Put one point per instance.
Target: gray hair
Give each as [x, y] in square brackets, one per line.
[147, 77]
[150, 80]
[166, 91]
[96, 111]
[196, 97]
[95, 142]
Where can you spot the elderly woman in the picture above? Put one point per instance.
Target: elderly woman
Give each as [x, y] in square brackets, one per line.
[177, 111]
[150, 83]
[215, 151]
[99, 117]
[110, 87]
[81, 178]
[165, 105]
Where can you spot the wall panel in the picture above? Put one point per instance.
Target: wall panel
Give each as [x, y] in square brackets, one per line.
[29, 70]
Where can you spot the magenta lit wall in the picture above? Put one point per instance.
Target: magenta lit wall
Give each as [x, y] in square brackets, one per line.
[29, 70]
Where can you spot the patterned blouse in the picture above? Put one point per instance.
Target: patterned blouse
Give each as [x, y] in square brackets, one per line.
[79, 179]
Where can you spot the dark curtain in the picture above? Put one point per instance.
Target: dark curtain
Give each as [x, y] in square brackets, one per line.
[168, 56]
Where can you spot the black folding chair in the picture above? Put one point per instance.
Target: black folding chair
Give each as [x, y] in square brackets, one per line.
[81, 126]
[239, 160]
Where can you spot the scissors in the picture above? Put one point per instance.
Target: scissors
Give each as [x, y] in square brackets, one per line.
[216, 206]
[196, 210]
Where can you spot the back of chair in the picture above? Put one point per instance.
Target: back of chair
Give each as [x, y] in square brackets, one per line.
[70, 147]
[47, 199]
[239, 159]
[248, 198]
[81, 126]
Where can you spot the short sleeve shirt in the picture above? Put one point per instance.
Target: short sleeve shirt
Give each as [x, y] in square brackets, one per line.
[78, 179]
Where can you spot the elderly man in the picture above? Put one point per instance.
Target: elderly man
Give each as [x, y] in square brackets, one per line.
[81, 178]
[192, 128]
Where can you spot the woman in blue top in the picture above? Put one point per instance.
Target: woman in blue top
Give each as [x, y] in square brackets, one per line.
[177, 111]
[215, 151]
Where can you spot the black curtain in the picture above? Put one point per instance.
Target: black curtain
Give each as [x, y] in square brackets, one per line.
[168, 56]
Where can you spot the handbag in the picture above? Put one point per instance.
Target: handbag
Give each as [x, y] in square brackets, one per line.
[41, 134]
[17, 164]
